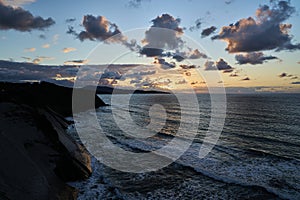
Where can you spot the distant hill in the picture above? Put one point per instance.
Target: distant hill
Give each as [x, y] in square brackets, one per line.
[110, 90]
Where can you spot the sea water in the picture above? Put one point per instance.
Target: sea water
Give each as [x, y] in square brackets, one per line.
[256, 156]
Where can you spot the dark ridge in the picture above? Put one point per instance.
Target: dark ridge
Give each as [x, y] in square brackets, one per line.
[44, 94]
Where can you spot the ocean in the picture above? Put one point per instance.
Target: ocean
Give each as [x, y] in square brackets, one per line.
[257, 155]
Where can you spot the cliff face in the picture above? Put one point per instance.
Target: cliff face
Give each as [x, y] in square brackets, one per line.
[37, 156]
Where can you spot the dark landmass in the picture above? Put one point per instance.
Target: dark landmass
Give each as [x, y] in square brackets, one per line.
[37, 156]
[111, 90]
[44, 94]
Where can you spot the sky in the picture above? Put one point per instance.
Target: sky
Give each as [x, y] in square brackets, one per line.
[242, 44]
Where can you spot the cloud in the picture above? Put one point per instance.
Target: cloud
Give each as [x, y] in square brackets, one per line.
[98, 28]
[219, 65]
[295, 83]
[164, 39]
[151, 52]
[71, 31]
[40, 59]
[234, 75]
[55, 38]
[229, 2]
[282, 75]
[208, 31]
[245, 79]
[21, 20]
[228, 70]
[135, 3]
[28, 59]
[191, 54]
[168, 36]
[68, 49]
[265, 32]
[183, 81]
[42, 36]
[196, 54]
[46, 46]
[17, 3]
[253, 58]
[76, 62]
[142, 73]
[197, 25]
[111, 75]
[291, 76]
[164, 64]
[70, 20]
[15, 72]
[188, 66]
[32, 49]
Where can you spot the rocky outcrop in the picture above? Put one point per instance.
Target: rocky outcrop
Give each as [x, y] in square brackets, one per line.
[37, 156]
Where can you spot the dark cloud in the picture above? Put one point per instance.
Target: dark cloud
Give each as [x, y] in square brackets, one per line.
[253, 58]
[227, 70]
[191, 54]
[71, 31]
[245, 79]
[151, 52]
[234, 75]
[164, 33]
[132, 45]
[296, 83]
[229, 2]
[98, 28]
[291, 76]
[188, 66]
[42, 36]
[75, 62]
[219, 65]
[21, 20]
[282, 75]
[208, 31]
[70, 20]
[136, 3]
[197, 25]
[266, 32]
[164, 64]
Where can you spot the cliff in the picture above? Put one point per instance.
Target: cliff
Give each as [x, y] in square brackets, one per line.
[37, 156]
